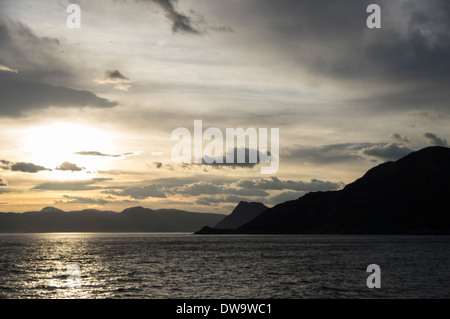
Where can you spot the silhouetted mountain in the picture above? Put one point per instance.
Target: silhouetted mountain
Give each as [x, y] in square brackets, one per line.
[241, 214]
[410, 195]
[136, 219]
[51, 210]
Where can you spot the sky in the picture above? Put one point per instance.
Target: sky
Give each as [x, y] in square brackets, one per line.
[87, 114]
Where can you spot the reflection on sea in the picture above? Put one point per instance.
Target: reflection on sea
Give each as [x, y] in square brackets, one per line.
[188, 266]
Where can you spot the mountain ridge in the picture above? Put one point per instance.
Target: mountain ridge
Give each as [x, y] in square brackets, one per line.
[405, 196]
[241, 214]
[408, 196]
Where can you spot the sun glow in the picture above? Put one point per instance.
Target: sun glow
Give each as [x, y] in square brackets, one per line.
[52, 145]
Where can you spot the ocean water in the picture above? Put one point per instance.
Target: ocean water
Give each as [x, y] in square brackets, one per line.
[95, 265]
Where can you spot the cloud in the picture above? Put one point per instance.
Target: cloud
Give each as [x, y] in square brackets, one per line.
[325, 154]
[401, 139]
[6, 69]
[390, 151]
[423, 116]
[114, 77]
[180, 22]
[214, 201]
[205, 188]
[412, 45]
[223, 191]
[82, 200]
[169, 182]
[220, 190]
[35, 55]
[3, 182]
[346, 152]
[140, 192]
[326, 41]
[66, 166]
[197, 188]
[158, 164]
[274, 183]
[435, 140]
[21, 97]
[22, 167]
[67, 199]
[194, 23]
[234, 154]
[72, 185]
[4, 164]
[95, 153]
[28, 168]
[33, 88]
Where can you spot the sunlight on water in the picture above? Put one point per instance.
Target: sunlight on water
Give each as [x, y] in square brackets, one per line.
[187, 266]
[50, 262]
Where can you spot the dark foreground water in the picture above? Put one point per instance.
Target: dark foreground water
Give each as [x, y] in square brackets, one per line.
[189, 266]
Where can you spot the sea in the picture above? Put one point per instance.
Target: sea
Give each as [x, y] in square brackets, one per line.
[187, 266]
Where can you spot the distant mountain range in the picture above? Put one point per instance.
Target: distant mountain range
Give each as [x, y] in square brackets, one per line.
[135, 219]
[409, 196]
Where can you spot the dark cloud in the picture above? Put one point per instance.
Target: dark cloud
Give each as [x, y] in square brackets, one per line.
[31, 89]
[180, 22]
[346, 152]
[4, 164]
[3, 182]
[116, 76]
[274, 183]
[158, 164]
[36, 58]
[390, 151]
[28, 168]
[190, 24]
[329, 40]
[120, 81]
[341, 45]
[400, 138]
[140, 192]
[22, 167]
[234, 153]
[21, 97]
[197, 188]
[220, 191]
[325, 154]
[406, 96]
[424, 116]
[169, 182]
[72, 185]
[435, 140]
[67, 166]
[208, 188]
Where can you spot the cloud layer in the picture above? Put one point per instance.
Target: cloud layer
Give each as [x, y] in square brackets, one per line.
[31, 90]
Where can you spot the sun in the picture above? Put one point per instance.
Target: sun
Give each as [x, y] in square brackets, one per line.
[57, 143]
